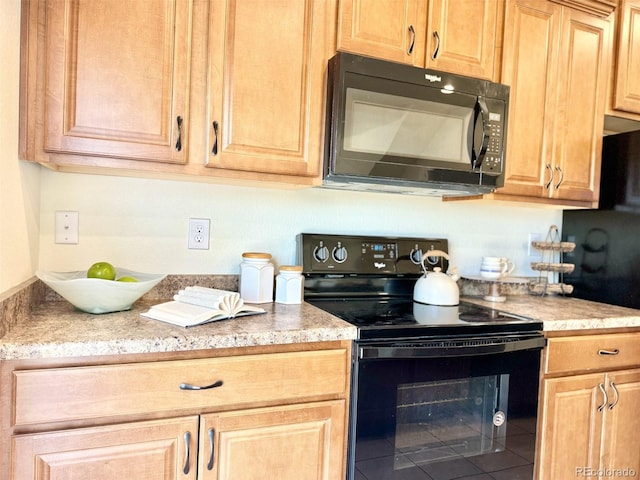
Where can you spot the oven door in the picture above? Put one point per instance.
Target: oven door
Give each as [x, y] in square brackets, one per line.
[435, 417]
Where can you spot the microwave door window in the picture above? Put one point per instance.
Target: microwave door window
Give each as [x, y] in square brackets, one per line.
[385, 125]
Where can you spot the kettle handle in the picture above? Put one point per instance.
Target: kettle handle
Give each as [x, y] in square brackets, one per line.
[432, 253]
[435, 253]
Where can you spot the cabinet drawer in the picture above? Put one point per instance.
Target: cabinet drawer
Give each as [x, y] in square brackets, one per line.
[593, 352]
[76, 393]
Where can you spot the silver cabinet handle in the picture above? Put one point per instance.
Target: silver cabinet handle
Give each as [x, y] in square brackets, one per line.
[606, 398]
[615, 351]
[187, 452]
[179, 142]
[548, 184]
[210, 433]
[188, 386]
[413, 40]
[616, 396]
[559, 170]
[436, 50]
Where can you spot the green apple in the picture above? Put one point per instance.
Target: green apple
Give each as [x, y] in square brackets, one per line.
[103, 270]
[127, 279]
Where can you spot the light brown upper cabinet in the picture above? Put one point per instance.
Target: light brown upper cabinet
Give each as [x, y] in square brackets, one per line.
[625, 99]
[556, 60]
[463, 36]
[213, 89]
[267, 84]
[458, 36]
[382, 29]
[116, 79]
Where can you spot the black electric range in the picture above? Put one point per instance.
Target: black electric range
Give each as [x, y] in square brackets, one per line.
[432, 387]
[368, 282]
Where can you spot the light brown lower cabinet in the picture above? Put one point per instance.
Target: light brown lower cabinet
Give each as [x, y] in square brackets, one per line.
[290, 442]
[157, 450]
[297, 442]
[275, 411]
[589, 423]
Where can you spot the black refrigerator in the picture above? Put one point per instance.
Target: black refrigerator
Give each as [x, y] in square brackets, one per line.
[607, 253]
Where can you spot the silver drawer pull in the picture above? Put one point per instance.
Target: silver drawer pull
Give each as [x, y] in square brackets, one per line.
[609, 352]
[188, 386]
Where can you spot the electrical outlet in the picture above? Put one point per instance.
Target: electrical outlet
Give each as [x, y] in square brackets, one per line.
[66, 227]
[532, 252]
[199, 233]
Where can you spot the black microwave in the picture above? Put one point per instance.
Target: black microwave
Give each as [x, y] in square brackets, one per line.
[398, 128]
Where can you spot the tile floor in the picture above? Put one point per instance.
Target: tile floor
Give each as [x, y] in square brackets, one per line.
[380, 459]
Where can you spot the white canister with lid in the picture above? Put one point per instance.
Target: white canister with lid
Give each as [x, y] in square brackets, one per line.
[256, 277]
[289, 284]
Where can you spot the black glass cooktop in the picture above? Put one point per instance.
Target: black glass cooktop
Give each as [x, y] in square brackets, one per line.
[396, 317]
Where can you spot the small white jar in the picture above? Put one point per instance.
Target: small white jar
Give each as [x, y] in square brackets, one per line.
[289, 284]
[256, 277]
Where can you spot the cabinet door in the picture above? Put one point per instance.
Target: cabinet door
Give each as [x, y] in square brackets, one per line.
[296, 442]
[582, 89]
[157, 450]
[621, 449]
[532, 32]
[117, 76]
[627, 73]
[391, 30]
[570, 425]
[461, 36]
[267, 69]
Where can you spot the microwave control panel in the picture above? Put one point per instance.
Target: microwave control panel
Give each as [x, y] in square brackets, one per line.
[492, 162]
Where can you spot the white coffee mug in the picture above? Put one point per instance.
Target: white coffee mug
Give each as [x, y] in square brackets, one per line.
[496, 267]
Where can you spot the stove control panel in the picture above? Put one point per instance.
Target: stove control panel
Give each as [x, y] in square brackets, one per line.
[354, 255]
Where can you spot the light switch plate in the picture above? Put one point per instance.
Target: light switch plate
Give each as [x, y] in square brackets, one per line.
[67, 227]
[534, 255]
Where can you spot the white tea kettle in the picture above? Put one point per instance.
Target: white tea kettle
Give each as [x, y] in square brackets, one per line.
[437, 288]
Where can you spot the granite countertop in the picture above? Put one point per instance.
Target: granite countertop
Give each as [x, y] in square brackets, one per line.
[566, 314]
[45, 326]
[56, 329]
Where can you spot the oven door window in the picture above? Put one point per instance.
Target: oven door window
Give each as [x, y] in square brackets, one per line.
[444, 418]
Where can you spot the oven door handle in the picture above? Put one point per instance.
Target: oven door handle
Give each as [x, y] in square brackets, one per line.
[460, 349]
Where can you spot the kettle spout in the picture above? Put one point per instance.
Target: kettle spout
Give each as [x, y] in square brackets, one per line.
[453, 273]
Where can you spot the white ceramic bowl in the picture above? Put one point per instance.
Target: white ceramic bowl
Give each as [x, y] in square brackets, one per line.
[94, 295]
